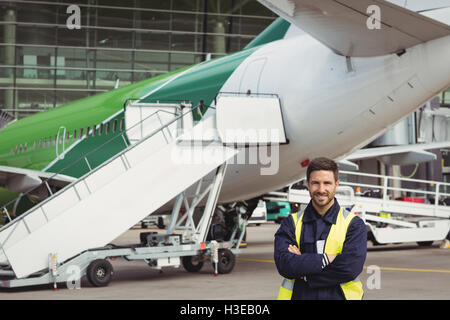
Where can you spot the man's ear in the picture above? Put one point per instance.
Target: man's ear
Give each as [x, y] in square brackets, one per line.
[337, 183]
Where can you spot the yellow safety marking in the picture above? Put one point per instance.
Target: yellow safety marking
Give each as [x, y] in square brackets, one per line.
[365, 267]
[255, 260]
[412, 270]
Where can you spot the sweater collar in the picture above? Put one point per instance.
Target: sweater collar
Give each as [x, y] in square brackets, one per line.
[330, 216]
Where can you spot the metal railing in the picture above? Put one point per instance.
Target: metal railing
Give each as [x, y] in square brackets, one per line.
[84, 158]
[387, 186]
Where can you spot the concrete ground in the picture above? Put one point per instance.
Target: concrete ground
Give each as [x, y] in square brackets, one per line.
[404, 271]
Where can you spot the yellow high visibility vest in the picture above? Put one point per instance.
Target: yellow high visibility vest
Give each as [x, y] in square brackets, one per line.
[352, 290]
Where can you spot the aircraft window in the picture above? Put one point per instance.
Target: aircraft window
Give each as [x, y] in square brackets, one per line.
[88, 128]
[25, 146]
[40, 143]
[107, 127]
[94, 127]
[12, 149]
[81, 133]
[67, 137]
[74, 134]
[122, 124]
[114, 128]
[20, 149]
[100, 130]
[34, 145]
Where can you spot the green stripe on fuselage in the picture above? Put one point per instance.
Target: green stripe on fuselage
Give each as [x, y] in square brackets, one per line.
[275, 31]
[75, 115]
[202, 81]
[199, 82]
[93, 150]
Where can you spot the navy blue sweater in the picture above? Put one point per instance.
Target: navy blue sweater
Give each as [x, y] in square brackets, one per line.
[316, 278]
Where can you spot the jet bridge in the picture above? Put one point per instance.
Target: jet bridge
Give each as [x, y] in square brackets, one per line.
[74, 226]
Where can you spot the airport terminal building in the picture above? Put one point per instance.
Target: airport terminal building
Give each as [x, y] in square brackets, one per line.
[48, 60]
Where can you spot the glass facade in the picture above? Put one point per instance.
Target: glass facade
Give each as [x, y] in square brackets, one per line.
[45, 62]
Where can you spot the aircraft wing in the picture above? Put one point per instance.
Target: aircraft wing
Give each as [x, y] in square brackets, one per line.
[359, 28]
[399, 155]
[22, 180]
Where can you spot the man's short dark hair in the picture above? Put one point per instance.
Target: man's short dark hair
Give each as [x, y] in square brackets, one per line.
[322, 163]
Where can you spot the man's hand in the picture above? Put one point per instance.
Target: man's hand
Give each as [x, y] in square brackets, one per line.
[293, 249]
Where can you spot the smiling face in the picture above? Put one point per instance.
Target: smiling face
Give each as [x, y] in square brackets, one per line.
[322, 186]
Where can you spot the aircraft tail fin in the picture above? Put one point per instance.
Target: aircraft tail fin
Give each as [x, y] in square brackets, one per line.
[275, 31]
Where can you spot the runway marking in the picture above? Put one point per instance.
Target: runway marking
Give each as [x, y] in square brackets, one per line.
[412, 269]
[365, 267]
[255, 260]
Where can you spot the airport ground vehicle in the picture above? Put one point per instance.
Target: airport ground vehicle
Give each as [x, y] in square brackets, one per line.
[266, 211]
[278, 210]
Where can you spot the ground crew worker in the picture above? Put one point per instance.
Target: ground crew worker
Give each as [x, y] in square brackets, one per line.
[321, 251]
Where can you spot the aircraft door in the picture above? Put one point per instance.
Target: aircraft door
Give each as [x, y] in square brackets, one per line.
[60, 142]
[251, 77]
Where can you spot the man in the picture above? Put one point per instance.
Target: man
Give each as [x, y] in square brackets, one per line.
[321, 251]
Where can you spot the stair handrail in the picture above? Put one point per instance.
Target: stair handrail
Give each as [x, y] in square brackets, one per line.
[3, 209]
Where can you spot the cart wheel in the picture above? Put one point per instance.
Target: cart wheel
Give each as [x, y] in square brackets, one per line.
[99, 273]
[226, 261]
[192, 263]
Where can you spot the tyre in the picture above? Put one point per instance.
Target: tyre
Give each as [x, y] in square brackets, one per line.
[192, 263]
[226, 261]
[99, 273]
[160, 223]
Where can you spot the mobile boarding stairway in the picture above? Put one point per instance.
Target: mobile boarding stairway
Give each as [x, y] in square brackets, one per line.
[392, 211]
[167, 154]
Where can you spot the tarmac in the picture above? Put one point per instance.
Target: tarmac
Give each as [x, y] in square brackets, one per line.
[391, 272]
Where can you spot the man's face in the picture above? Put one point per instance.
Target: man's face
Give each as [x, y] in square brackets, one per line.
[322, 188]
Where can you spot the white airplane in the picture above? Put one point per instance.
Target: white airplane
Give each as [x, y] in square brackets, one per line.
[343, 77]
[344, 72]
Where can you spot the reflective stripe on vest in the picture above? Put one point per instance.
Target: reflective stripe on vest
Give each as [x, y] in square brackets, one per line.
[334, 243]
